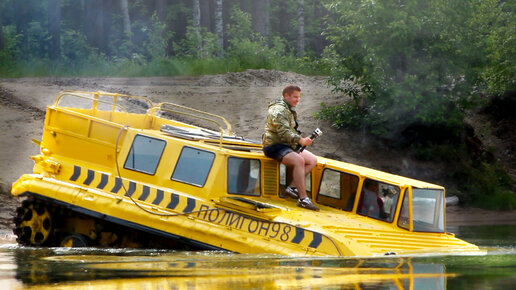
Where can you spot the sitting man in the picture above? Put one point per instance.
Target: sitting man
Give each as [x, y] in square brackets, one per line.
[281, 140]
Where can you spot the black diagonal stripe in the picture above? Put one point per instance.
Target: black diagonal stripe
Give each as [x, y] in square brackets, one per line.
[131, 189]
[300, 234]
[103, 181]
[173, 201]
[316, 240]
[190, 205]
[145, 193]
[89, 178]
[76, 173]
[159, 197]
[117, 186]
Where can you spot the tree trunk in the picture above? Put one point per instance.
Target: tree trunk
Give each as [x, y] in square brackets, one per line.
[219, 25]
[206, 14]
[124, 6]
[54, 29]
[244, 5]
[93, 23]
[319, 41]
[161, 10]
[1, 33]
[109, 8]
[284, 21]
[260, 17]
[301, 28]
[196, 15]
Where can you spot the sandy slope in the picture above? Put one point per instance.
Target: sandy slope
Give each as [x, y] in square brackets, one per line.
[240, 97]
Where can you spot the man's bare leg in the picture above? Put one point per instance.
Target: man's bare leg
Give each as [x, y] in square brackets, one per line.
[310, 161]
[297, 163]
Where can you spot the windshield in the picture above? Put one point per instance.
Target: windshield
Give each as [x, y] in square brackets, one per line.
[428, 210]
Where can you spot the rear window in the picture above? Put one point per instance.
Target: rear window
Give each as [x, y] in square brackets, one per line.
[193, 166]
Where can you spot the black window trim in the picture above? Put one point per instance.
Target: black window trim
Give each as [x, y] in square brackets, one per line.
[207, 175]
[160, 157]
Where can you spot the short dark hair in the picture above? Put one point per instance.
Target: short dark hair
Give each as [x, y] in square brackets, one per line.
[370, 182]
[289, 89]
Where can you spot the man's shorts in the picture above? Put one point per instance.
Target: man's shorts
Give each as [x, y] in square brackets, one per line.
[277, 151]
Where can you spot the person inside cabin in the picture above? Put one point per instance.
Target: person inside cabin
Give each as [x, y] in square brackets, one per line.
[282, 140]
[371, 203]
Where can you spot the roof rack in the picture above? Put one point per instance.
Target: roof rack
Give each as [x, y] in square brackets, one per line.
[219, 121]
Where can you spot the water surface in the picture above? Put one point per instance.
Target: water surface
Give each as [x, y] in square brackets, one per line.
[66, 268]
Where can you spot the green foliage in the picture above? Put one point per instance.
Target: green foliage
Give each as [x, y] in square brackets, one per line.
[10, 52]
[414, 62]
[488, 186]
[156, 46]
[200, 44]
[74, 46]
[500, 74]
[252, 50]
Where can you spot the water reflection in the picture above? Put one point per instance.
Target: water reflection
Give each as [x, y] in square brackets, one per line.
[158, 269]
[210, 270]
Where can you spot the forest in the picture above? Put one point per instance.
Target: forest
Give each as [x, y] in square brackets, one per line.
[411, 70]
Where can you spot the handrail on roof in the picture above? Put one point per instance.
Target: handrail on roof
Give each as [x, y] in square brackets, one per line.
[96, 96]
[200, 115]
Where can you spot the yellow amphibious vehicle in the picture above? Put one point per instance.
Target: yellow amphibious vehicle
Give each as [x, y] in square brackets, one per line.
[119, 171]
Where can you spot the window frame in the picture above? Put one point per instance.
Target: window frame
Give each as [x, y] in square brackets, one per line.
[441, 207]
[340, 172]
[258, 180]
[394, 206]
[159, 159]
[207, 174]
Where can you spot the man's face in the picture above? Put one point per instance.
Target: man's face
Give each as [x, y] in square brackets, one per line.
[293, 98]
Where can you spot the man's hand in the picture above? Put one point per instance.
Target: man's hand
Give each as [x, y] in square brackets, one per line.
[306, 141]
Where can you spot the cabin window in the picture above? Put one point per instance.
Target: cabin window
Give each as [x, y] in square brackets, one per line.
[338, 189]
[378, 200]
[193, 166]
[145, 154]
[428, 210]
[243, 176]
[285, 178]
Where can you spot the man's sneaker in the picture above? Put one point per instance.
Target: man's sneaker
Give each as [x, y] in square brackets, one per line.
[291, 192]
[307, 203]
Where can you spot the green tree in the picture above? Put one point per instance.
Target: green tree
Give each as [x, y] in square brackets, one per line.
[407, 62]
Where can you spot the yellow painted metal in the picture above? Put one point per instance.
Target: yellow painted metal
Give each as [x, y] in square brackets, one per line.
[82, 165]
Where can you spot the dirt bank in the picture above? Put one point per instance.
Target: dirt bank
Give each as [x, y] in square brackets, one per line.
[240, 97]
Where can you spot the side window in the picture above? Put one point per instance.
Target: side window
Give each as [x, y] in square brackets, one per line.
[285, 178]
[145, 154]
[378, 200]
[193, 166]
[243, 176]
[338, 189]
[428, 210]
